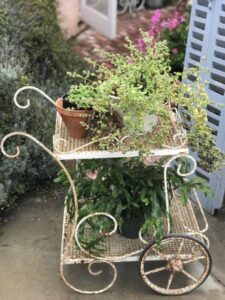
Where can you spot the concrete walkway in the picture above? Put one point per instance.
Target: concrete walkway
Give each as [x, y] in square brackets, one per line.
[30, 240]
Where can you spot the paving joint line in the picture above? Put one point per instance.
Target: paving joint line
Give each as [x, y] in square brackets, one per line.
[217, 279]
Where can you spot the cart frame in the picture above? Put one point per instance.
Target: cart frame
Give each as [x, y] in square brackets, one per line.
[180, 242]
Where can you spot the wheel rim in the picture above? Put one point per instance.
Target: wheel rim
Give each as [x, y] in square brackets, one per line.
[182, 264]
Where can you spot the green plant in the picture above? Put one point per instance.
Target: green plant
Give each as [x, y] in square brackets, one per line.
[125, 189]
[33, 27]
[177, 41]
[171, 26]
[32, 52]
[82, 96]
[141, 84]
[19, 175]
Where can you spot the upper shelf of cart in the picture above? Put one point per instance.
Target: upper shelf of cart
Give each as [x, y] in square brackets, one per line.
[67, 148]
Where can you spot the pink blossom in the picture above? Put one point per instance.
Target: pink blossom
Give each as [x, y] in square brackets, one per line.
[175, 51]
[164, 24]
[151, 32]
[172, 24]
[92, 175]
[141, 44]
[182, 19]
[155, 19]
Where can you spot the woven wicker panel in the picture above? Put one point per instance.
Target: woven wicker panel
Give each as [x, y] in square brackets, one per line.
[117, 245]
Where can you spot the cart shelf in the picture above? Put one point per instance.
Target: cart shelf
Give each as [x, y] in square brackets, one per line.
[65, 146]
[118, 246]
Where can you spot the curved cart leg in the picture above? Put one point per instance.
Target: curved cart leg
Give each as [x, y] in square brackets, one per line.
[180, 265]
[91, 272]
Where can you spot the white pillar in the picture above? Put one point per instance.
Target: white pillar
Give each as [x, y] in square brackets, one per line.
[68, 16]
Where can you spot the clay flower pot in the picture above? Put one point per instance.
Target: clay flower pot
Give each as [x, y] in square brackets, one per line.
[73, 119]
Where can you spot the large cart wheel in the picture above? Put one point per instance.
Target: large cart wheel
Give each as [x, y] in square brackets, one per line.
[180, 265]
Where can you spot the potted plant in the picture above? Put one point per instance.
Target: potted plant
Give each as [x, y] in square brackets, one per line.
[141, 85]
[131, 98]
[76, 108]
[129, 190]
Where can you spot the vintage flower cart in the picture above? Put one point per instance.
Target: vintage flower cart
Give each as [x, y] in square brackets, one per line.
[181, 264]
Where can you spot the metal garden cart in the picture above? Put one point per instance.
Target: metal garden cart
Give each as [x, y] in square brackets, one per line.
[183, 261]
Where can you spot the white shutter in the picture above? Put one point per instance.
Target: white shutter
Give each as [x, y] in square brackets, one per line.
[206, 45]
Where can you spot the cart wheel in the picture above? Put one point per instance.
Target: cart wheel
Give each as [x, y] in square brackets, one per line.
[180, 265]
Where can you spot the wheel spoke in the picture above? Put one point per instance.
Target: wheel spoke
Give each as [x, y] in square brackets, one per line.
[193, 259]
[189, 275]
[181, 246]
[155, 270]
[170, 281]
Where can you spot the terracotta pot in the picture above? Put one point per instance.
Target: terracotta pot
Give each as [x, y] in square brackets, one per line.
[73, 119]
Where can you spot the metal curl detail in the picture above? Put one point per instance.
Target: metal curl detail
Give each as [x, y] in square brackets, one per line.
[108, 258]
[105, 234]
[24, 134]
[28, 100]
[168, 164]
[94, 273]
[2, 147]
[142, 239]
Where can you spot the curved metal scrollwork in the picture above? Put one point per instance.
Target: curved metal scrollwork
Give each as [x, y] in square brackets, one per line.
[192, 170]
[179, 172]
[9, 155]
[130, 5]
[25, 88]
[93, 273]
[74, 225]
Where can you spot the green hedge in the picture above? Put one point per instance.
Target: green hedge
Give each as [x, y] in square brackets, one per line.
[32, 51]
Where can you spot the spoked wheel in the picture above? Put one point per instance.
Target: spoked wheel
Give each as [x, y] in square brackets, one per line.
[180, 265]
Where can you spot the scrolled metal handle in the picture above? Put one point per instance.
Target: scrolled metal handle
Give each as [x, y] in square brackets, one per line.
[28, 100]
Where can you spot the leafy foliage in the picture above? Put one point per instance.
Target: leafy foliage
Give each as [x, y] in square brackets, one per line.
[32, 26]
[21, 174]
[125, 189]
[32, 52]
[84, 94]
[141, 85]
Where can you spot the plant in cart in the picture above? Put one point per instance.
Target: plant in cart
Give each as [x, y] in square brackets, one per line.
[129, 190]
[141, 89]
[84, 107]
[128, 103]
[76, 107]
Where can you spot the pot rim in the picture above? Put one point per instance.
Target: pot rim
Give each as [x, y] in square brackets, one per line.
[59, 105]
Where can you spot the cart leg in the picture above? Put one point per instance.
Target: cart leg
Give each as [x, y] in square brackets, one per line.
[93, 273]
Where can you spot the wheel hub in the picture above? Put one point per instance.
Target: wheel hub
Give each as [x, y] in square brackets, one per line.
[175, 265]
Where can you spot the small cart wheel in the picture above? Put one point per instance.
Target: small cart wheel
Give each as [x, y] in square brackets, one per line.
[181, 264]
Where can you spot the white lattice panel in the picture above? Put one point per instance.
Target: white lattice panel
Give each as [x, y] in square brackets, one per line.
[206, 46]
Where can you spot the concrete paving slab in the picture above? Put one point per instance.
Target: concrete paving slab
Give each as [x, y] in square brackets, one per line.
[30, 240]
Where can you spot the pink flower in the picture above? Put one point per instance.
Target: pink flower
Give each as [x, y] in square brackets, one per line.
[172, 24]
[182, 19]
[92, 175]
[155, 19]
[141, 44]
[164, 24]
[175, 51]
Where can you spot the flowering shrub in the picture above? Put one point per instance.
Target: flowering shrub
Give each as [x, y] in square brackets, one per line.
[174, 29]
